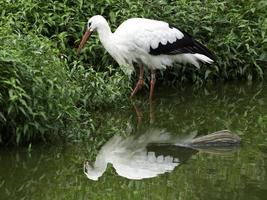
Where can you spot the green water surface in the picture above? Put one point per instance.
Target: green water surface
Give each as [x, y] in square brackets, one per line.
[56, 171]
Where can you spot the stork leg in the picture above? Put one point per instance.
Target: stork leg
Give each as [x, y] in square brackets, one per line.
[139, 114]
[140, 82]
[151, 111]
[152, 83]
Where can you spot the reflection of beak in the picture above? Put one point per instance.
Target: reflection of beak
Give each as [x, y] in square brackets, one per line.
[86, 36]
[87, 165]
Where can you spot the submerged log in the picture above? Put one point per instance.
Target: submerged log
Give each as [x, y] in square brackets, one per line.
[223, 138]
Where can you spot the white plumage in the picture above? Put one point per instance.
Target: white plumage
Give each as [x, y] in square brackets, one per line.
[155, 44]
[138, 35]
[131, 159]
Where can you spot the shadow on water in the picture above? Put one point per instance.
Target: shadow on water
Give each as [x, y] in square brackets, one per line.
[56, 172]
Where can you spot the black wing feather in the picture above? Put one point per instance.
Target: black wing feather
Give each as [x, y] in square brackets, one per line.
[187, 44]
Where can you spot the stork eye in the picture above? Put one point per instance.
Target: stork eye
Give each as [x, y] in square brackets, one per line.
[89, 24]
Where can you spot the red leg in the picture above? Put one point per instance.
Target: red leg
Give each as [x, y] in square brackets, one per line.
[151, 111]
[139, 115]
[152, 83]
[140, 82]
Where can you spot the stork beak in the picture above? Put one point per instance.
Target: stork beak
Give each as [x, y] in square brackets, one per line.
[86, 36]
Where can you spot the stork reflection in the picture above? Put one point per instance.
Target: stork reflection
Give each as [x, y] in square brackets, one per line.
[153, 153]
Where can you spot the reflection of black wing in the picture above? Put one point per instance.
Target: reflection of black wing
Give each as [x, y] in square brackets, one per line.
[187, 44]
[181, 153]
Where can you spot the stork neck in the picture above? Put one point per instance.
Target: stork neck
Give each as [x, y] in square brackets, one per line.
[105, 35]
[100, 165]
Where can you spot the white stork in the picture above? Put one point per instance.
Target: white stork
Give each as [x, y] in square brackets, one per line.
[155, 44]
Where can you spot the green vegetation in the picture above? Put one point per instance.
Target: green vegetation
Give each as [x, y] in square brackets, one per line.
[41, 96]
[46, 91]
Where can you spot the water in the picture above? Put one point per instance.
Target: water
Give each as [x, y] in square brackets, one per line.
[56, 171]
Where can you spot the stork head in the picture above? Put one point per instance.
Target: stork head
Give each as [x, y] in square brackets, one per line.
[90, 171]
[94, 23]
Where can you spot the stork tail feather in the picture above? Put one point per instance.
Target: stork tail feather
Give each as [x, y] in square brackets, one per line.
[222, 138]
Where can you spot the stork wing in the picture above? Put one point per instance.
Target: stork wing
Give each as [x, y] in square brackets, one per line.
[160, 38]
[186, 44]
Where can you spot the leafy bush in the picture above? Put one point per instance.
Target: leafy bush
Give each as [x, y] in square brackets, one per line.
[234, 31]
[45, 89]
[37, 95]
[100, 89]
[40, 98]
